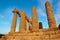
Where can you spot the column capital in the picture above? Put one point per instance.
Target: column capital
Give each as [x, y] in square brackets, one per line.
[15, 10]
[34, 7]
[47, 3]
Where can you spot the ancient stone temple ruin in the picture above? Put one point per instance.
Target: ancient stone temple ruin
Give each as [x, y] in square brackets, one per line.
[30, 29]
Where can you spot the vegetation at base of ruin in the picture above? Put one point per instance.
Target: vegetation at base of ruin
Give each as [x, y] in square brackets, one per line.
[59, 26]
[2, 35]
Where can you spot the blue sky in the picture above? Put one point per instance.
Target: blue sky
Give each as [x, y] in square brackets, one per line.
[7, 6]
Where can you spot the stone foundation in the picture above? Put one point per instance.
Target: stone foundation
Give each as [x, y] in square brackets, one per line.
[45, 35]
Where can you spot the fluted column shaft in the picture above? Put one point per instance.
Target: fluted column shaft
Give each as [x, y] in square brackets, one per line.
[34, 20]
[50, 16]
[22, 26]
[13, 26]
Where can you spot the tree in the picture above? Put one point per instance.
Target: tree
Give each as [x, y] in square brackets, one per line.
[1, 35]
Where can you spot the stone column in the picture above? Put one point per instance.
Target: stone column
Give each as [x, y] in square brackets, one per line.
[22, 22]
[34, 20]
[13, 26]
[40, 25]
[59, 26]
[50, 16]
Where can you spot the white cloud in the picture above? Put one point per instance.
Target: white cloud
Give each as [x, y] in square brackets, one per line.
[1, 16]
[8, 10]
[58, 8]
[3, 29]
[41, 8]
[8, 13]
[42, 3]
[4, 23]
[57, 15]
[40, 12]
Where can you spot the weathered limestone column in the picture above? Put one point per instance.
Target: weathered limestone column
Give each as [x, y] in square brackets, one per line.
[34, 20]
[40, 25]
[13, 26]
[59, 26]
[50, 16]
[22, 22]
